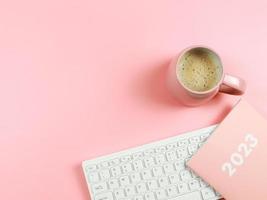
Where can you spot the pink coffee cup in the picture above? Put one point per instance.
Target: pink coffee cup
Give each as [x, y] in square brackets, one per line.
[226, 84]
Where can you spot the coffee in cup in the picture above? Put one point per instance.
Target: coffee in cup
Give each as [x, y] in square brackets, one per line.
[199, 70]
[197, 74]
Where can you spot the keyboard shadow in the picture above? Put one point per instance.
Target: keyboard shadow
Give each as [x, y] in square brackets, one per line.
[81, 182]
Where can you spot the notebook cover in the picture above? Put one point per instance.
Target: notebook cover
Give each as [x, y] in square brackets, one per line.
[234, 158]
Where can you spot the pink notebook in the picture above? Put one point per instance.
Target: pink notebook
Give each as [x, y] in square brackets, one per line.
[234, 159]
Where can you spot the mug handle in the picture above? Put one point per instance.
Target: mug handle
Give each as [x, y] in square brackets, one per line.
[233, 85]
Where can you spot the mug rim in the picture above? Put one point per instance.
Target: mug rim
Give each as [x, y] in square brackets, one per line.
[179, 59]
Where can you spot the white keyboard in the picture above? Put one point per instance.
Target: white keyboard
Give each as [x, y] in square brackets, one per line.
[155, 171]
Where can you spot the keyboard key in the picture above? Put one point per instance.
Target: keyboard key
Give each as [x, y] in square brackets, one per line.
[141, 188]
[149, 162]
[182, 187]
[171, 155]
[171, 146]
[99, 187]
[168, 168]
[124, 180]
[149, 196]
[146, 174]
[157, 171]
[192, 148]
[174, 178]
[138, 165]
[207, 193]
[104, 196]
[183, 143]
[115, 171]
[152, 184]
[194, 140]
[182, 152]
[160, 194]
[129, 190]
[172, 191]
[179, 165]
[126, 168]
[163, 181]
[114, 162]
[104, 174]
[125, 158]
[119, 193]
[160, 159]
[161, 149]
[194, 184]
[113, 183]
[90, 168]
[149, 152]
[138, 155]
[93, 177]
[138, 197]
[135, 177]
[185, 175]
[104, 164]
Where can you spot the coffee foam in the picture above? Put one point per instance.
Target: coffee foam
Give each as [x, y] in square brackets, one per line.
[199, 69]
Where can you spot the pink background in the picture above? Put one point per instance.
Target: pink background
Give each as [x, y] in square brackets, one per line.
[80, 78]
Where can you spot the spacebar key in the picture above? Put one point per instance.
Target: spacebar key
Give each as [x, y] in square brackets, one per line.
[189, 196]
[104, 196]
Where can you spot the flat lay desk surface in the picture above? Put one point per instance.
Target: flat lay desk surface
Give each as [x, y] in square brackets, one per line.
[83, 78]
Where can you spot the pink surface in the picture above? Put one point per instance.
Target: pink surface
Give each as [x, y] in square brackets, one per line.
[84, 78]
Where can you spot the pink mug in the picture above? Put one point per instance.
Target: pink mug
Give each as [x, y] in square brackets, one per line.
[226, 84]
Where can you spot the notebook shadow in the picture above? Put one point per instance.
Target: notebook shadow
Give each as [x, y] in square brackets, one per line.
[224, 109]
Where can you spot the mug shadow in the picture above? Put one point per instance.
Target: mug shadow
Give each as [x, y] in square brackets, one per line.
[151, 86]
